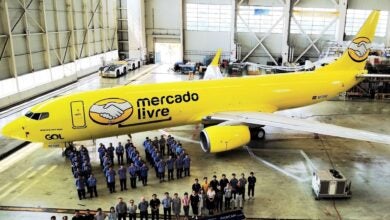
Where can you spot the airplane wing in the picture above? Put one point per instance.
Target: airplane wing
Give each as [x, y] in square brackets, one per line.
[279, 121]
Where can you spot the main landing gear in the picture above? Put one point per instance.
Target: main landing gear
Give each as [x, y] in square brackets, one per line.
[257, 133]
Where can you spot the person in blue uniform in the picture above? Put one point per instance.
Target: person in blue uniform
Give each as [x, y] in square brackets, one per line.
[110, 174]
[161, 170]
[119, 150]
[162, 143]
[147, 145]
[179, 167]
[122, 177]
[92, 186]
[110, 151]
[80, 184]
[167, 205]
[128, 147]
[170, 165]
[186, 165]
[144, 174]
[102, 151]
[132, 170]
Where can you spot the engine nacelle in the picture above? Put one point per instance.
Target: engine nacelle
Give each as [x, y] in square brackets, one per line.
[216, 138]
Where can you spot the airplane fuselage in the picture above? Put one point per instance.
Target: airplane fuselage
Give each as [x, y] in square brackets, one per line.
[135, 108]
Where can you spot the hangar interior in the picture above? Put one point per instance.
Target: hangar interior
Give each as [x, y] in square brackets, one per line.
[50, 48]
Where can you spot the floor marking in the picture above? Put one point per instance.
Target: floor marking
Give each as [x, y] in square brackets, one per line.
[5, 186]
[41, 167]
[50, 154]
[49, 170]
[31, 174]
[19, 156]
[24, 173]
[274, 166]
[34, 182]
[11, 189]
[178, 137]
[25, 189]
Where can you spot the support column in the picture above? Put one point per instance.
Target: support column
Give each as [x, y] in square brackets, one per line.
[102, 28]
[57, 26]
[387, 42]
[45, 36]
[86, 31]
[181, 25]
[10, 44]
[233, 31]
[342, 8]
[143, 32]
[287, 12]
[71, 42]
[27, 28]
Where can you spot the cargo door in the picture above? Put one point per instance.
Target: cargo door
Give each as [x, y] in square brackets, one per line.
[78, 114]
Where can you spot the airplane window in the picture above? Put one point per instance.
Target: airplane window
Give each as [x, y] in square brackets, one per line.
[44, 115]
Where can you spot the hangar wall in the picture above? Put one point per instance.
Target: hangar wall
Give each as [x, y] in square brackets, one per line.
[48, 43]
[163, 22]
[198, 43]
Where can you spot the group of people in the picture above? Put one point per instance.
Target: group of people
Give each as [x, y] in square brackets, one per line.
[136, 166]
[218, 195]
[82, 171]
[156, 149]
[215, 196]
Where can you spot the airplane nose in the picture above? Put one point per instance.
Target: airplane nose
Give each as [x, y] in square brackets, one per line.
[13, 130]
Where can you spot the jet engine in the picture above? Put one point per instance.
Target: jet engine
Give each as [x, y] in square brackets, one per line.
[221, 138]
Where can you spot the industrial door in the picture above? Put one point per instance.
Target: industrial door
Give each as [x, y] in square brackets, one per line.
[78, 114]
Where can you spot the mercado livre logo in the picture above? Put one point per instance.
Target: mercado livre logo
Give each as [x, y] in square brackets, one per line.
[149, 107]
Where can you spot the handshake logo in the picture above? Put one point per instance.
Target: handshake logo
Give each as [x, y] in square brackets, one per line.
[359, 49]
[110, 111]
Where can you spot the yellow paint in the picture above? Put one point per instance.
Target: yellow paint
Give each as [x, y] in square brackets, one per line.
[225, 138]
[216, 58]
[135, 108]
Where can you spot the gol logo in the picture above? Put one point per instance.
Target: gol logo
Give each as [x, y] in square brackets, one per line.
[359, 49]
[110, 111]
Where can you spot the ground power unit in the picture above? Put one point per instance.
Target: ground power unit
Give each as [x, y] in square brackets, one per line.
[330, 184]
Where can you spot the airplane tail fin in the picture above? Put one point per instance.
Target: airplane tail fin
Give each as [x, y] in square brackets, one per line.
[216, 58]
[358, 50]
[213, 71]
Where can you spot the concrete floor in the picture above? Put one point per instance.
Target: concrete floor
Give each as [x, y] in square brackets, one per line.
[41, 178]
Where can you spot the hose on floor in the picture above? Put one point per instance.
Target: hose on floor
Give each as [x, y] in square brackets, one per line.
[332, 164]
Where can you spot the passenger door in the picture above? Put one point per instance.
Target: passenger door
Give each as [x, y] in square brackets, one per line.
[78, 114]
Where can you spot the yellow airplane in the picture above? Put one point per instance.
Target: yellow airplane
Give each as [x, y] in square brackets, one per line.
[241, 106]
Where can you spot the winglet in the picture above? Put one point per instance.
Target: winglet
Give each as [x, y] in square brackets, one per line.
[216, 58]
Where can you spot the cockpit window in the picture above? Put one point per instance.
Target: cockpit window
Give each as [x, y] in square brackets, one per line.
[37, 116]
[44, 115]
[29, 114]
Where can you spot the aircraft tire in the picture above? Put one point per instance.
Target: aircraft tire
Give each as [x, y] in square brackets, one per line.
[257, 133]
